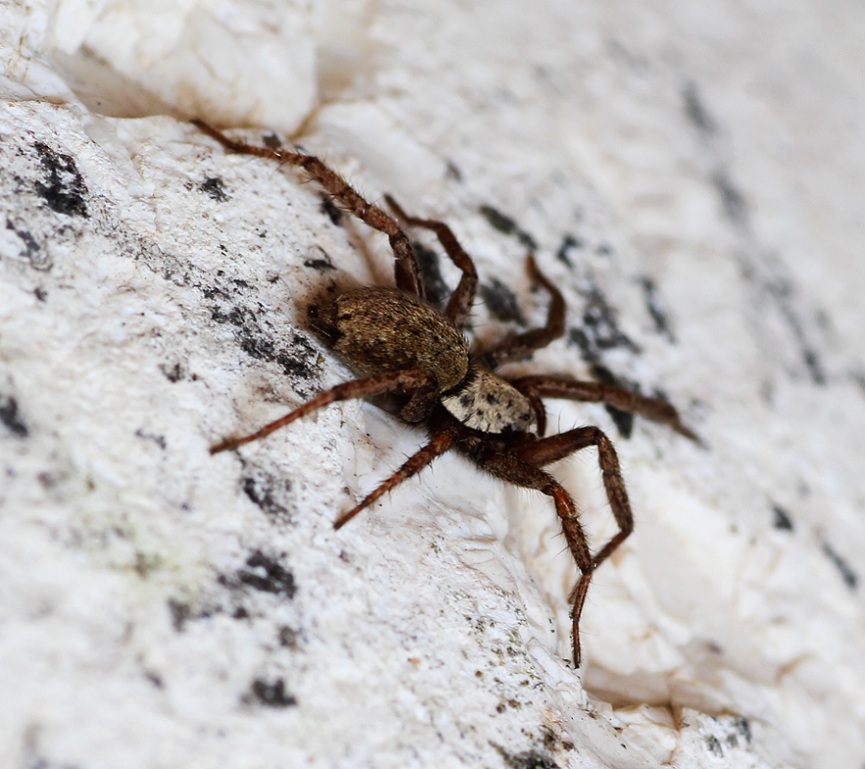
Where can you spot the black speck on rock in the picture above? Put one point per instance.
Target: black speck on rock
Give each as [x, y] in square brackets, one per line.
[155, 438]
[743, 728]
[528, 759]
[271, 693]
[781, 519]
[10, 418]
[656, 308]
[501, 302]
[851, 579]
[569, 246]
[333, 211]
[31, 248]
[507, 225]
[181, 613]
[599, 330]
[733, 202]
[452, 171]
[264, 573]
[214, 187]
[784, 294]
[321, 264]
[695, 110]
[63, 187]
[268, 493]
[713, 745]
[255, 343]
[428, 262]
[174, 372]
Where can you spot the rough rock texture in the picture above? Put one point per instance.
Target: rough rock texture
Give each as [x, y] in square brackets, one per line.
[689, 175]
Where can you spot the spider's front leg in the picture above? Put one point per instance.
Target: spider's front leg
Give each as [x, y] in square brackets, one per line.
[460, 303]
[413, 382]
[406, 266]
[381, 384]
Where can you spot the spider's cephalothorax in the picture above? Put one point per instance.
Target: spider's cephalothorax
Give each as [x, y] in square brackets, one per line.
[417, 360]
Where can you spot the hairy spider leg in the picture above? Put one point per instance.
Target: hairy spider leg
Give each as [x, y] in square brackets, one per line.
[513, 468]
[406, 272]
[596, 392]
[440, 442]
[460, 303]
[548, 450]
[522, 345]
[381, 384]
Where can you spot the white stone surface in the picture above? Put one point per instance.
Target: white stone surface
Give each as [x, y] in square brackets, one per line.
[152, 300]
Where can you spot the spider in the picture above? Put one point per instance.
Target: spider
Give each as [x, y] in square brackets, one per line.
[417, 359]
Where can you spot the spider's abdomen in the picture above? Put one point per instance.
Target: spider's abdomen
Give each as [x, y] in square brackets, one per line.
[487, 403]
[380, 329]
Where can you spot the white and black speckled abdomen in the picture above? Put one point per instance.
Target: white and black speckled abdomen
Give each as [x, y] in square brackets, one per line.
[487, 403]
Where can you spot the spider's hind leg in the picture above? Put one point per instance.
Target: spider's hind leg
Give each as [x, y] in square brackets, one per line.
[522, 467]
[656, 409]
[555, 447]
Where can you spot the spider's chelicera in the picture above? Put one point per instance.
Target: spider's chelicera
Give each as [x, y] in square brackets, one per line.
[416, 359]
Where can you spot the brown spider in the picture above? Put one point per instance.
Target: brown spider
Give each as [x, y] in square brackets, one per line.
[417, 357]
